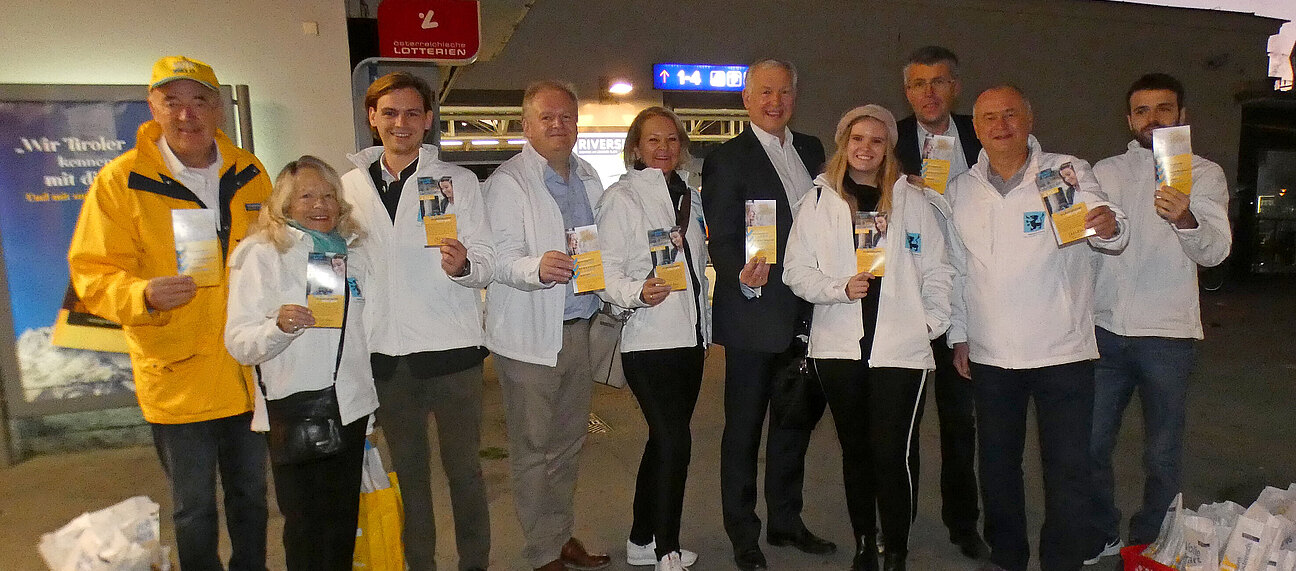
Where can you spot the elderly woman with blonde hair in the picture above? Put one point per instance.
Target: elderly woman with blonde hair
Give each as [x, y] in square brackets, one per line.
[314, 388]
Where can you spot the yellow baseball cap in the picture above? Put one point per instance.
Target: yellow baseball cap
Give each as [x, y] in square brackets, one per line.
[171, 68]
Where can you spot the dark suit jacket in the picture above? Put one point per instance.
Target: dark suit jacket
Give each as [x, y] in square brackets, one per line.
[910, 153]
[735, 172]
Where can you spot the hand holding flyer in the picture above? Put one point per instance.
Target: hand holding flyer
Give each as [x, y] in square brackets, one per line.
[582, 244]
[870, 237]
[1172, 152]
[762, 230]
[938, 153]
[435, 198]
[198, 251]
[326, 281]
[1057, 188]
[664, 245]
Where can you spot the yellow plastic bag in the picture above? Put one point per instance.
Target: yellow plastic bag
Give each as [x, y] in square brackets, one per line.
[378, 533]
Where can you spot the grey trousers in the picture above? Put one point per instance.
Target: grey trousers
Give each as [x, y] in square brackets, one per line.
[547, 410]
[456, 402]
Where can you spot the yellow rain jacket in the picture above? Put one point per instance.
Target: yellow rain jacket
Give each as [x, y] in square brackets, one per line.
[124, 238]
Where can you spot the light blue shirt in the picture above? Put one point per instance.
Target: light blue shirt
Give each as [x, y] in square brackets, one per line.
[574, 204]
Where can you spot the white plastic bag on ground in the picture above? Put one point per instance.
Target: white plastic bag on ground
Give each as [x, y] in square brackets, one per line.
[1169, 544]
[123, 537]
[1201, 552]
[1241, 553]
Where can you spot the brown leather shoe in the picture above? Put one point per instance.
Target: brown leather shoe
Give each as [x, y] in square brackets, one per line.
[555, 565]
[574, 556]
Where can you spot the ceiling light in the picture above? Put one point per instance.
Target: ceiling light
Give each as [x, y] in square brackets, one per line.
[620, 87]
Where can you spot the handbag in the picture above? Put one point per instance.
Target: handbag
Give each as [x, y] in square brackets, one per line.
[306, 425]
[381, 518]
[605, 345]
[797, 399]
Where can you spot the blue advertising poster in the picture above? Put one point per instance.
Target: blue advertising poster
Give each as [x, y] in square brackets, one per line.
[50, 152]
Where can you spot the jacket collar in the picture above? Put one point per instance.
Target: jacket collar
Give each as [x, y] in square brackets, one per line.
[981, 170]
[534, 165]
[149, 161]
[362, 159]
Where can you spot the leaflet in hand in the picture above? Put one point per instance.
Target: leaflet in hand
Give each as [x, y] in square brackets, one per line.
[326, 284]
[870, 242]
[1172, 151]
[937, 154]
[1058, 187]
[762, 230]
[582, 244]
[664, 244]
[198, 251]
[435, 198]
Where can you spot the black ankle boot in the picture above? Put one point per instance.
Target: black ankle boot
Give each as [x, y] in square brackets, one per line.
[866, 553]
[894, 560]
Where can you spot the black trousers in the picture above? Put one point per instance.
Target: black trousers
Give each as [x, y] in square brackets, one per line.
[1064, 396]
[955, 410]
[877, 412]
[747, 390]
[320, 502]
[666, 383]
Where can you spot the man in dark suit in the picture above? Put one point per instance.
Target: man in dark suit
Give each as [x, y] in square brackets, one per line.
[754, 313]
[932, 87]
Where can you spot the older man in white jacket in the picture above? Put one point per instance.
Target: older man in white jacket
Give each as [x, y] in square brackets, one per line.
[1147, 310]
[1022, 328]
[537, 326]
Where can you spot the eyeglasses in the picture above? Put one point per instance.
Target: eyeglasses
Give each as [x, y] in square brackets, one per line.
[922, 84]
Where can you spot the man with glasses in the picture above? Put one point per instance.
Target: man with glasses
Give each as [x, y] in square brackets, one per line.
[932, 87]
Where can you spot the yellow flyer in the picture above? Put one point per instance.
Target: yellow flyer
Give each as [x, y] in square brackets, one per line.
[870, 241]
[582, 244]
[938, 152]
[198, 251]
[1058, 188]
[1172, 151]
[664, 245]
[326, 288]
[436, 200]
[762, 230]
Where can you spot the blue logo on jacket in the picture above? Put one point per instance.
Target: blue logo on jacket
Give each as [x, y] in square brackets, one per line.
[1033, 222]
[913, 242]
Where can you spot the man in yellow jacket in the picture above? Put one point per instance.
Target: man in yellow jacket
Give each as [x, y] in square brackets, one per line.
[124, 266]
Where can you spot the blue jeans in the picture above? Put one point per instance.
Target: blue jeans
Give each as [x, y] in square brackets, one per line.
[1063, 396]
[1158, 367]
[191, 454]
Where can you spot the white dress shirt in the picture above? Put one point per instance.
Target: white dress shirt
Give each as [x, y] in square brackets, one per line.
[792, 172]
[203, 182]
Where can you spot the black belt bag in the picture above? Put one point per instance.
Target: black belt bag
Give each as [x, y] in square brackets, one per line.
[307, 425]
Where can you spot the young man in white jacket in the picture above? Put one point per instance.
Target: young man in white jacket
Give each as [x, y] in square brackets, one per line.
[1022, 328]
[424, 316]
[538, 327]
[1146, 307]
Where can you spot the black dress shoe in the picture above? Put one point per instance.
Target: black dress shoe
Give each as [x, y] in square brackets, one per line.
[894, 560]
[803, 540]
[972, 546]
[866, 555]
[750, 559]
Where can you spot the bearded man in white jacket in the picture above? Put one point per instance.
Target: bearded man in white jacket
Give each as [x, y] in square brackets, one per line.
[1147, 309]
[423, 317]
[1022, 328]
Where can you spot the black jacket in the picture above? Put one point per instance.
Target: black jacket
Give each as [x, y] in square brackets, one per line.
[735, 172]
[910, 154]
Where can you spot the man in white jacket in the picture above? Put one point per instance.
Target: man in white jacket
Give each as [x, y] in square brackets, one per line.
[424, 316]
[1146, 306]
[537, 326]
[1022, 328]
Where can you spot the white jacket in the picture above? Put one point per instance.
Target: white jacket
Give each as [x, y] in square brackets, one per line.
[1151, 288]
[637, 203]
[261, 280]
[913, 303]
[524, 316]
[1020, 301]
[413, 305]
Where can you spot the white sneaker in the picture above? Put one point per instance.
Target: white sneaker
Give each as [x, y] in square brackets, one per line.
[1113, 547]
[671, 562]
[647, 554]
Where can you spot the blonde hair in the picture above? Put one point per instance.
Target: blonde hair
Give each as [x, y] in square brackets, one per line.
[631, 151]
[274, 213]
[888, 172]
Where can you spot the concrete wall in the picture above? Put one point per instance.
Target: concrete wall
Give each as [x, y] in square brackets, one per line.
[1075, 58]
[299, 83]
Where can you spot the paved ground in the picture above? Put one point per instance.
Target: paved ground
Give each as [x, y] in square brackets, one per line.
[1240, 437]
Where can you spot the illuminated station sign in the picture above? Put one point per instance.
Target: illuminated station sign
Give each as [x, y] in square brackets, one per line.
[698, 77]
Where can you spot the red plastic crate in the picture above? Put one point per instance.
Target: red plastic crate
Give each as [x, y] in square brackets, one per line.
[1135, 561]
